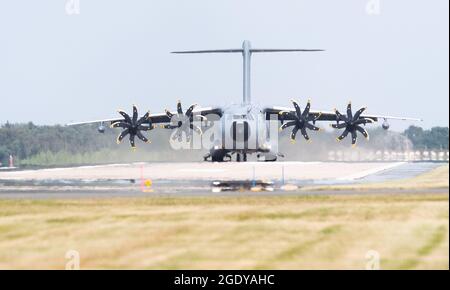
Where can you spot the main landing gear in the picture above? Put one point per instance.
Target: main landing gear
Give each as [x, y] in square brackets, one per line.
[241, 157]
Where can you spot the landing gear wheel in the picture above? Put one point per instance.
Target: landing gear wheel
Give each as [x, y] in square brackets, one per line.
[271, 160]
[215, 159]
[238, 157]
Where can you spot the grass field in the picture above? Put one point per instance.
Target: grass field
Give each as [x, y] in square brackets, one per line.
[323, 232]
[408, 231]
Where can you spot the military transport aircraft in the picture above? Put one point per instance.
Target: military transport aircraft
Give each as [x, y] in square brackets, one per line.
[244, 128]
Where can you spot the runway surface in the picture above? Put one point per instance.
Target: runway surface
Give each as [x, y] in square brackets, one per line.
[205, 171]
[195, 179]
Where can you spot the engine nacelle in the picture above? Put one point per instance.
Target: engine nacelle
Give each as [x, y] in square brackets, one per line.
[386, 125]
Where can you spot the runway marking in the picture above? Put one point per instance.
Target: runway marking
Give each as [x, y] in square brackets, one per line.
[366, 173]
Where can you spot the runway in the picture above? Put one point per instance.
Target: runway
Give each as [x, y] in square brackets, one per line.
[195, 179]
[289, 171]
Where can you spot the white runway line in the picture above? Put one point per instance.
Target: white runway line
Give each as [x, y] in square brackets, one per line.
[366, 173]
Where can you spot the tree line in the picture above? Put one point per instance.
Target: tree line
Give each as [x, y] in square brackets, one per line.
[434, 139]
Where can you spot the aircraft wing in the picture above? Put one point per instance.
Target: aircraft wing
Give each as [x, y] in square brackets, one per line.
[159, 118]
[155, 119]
[330, 115]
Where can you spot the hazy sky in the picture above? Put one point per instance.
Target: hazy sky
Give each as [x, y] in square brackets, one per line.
[56, 67]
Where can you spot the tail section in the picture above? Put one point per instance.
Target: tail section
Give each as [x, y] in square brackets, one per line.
[247, 52]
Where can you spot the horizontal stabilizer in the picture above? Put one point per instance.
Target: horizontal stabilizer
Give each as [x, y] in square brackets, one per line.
[286, 50]
[241, 51]
[209, 51]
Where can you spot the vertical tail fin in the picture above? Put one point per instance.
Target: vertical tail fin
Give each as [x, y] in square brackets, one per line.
[247, 52]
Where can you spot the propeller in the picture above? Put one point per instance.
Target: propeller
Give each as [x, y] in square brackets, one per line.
[182, 122]
[301, 121]
[133, 126]
[352, 124]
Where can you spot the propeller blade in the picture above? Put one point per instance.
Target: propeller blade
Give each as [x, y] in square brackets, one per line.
[358, 114]
[344, 134]
[122, 135]
[305, 134]
[135, 115]
[178, 135]
[125, 116]
[145, 128]
[120, 125]
[294, 133]
[142, 137]
[307, 109]
[288, 124]
[190, 110]
[314, 118]
[169, 114]
[312, 127]
[354, 137]
[363, 131]
[179, 108]
[285, 114]
[196, 129]
[349, 111]
[339, 116]
[363, 122]
[339, 126]
[297, 108]
[143, 119]
[132, 142]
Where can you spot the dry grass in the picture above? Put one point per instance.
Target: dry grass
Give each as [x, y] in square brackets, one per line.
[409, 232]
[435, 179]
